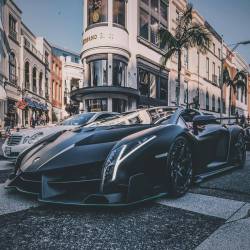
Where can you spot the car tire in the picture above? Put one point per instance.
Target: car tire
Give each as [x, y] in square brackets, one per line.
[179, 167]
[240, 151]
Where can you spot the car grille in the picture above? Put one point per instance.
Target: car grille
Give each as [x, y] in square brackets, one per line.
[14, 140]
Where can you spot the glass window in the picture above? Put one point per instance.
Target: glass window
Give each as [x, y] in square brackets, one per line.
[181, 123]
[154, 30]
[144, 24]
[155, 5]
[119, 73]
[12, 67]
[40, 83]
[97, 11]
[97, 105]
[207, 68]
[164, 89]
[147, 83]
[27, 75]
[118, 105]
[213, 103]
[164, 12]
[34, 89]
[78, 119]
[153, 15]
[12, 27]
[98, 73]
[207, 101]
[119, 12]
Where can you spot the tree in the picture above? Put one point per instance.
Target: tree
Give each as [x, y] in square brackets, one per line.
[188, 35]
[239, 80]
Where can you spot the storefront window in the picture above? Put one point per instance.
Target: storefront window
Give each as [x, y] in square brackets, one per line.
[119, 105]
[96, 105]
[97, 11]
[40, 83]
[119, 12]
[98, 73]
[147, 83]
[207, 101]
[164, 89]
[119, 73]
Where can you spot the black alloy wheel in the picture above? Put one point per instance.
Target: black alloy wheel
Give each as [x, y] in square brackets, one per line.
[240, 151]
[179, 167]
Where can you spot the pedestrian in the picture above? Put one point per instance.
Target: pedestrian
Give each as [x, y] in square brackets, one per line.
[33, 120]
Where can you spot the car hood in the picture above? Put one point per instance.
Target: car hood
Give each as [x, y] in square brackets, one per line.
[78, 147]
[44, 130]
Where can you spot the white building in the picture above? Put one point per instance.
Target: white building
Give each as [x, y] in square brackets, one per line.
[121, 56]
[72, 77]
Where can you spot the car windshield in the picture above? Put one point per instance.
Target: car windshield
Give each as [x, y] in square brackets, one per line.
[143, 116]
[78, 119]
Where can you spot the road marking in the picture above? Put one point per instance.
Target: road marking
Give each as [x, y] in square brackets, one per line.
[12, 201]
[203, 204]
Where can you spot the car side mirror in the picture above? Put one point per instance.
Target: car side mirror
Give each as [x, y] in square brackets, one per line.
[202, 120]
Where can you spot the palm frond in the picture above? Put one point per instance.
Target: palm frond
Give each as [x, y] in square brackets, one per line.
[197, 36]
[167, 39]
[167, 56]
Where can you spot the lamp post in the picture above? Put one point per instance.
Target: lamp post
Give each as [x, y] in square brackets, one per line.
[222, 67]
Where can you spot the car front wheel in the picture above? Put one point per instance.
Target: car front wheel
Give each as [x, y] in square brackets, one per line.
[179, 167]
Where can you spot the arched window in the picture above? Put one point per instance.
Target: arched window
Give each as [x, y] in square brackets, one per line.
[34, 87]
[213, 103]
[27, 75]
[207, 101]
[12, 67]
[40, 83]
[219, 104]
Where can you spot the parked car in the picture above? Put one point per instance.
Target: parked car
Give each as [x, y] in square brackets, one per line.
[141, 155]
[20, 140]
[247, 137]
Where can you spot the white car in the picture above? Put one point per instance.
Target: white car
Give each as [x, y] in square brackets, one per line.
[25, 138]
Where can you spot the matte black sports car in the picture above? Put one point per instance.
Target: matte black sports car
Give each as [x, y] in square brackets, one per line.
[140, 155]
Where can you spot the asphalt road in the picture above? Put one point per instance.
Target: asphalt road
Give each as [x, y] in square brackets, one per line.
[214, 215]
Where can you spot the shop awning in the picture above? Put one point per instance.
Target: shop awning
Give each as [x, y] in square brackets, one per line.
[36, 105]
[3, 95]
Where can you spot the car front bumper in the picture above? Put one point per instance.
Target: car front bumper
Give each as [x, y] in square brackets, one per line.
[12, 152]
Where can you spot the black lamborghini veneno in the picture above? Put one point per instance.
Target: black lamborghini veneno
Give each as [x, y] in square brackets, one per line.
[139, 155]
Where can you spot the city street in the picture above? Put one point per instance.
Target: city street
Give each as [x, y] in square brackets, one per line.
[213, 215]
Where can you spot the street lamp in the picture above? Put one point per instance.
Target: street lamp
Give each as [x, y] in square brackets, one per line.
[222, 67]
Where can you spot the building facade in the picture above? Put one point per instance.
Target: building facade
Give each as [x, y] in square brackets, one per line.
[121, 54]
[26, 70]
[72, 79]
[4, 50]
[56, 86]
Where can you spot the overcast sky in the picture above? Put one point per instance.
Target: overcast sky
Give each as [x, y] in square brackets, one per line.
[60, 21]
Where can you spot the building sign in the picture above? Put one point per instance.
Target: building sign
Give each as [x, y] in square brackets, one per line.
[99, 36]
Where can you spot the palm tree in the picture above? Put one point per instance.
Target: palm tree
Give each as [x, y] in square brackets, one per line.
[238, 81]
[188, 35]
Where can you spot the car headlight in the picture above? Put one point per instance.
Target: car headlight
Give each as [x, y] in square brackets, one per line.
[118, 155]
[35, 137]
[26, 138]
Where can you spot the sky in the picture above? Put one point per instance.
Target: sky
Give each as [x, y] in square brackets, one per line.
[60, 21]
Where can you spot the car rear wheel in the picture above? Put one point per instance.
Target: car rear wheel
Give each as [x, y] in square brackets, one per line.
[179, 167]
[240, 150]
